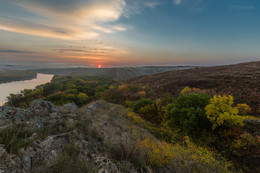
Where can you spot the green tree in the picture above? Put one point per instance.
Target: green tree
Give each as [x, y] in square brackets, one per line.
[137, 105]
[188, 113]
[82, 98]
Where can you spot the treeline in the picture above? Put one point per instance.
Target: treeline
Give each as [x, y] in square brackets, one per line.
[17, 75]
[64, 89]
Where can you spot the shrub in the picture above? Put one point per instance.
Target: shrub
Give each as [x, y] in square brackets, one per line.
[71, 98]
[178, 158]
[137, 105]
[246, 141]
[220, 112]
[155, 112]
[243, 109]
[161, 132]
[113, 96]
[188, 113]
[82, 98]
[54, 97]
[186, 90]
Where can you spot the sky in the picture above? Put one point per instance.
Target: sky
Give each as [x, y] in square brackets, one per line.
[128, 32]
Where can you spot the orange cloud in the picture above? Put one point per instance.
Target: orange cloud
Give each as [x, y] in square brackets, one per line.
[78, 19]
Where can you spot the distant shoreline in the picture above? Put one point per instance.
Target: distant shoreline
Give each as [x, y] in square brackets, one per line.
[16, 75]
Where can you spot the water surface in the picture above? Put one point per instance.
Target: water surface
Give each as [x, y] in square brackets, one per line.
[15, 87]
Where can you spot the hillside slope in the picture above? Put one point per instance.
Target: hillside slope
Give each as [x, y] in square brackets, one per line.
[115, 73]
[240, 80]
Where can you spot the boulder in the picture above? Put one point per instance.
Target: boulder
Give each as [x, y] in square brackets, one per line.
[13, 114]
[43, 108]
[44, 151]
[70, 109]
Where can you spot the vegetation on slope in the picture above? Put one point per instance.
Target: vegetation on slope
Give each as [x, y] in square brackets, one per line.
[211, 122]
[242, 81]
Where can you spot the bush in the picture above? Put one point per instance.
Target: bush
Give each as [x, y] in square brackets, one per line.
[113, 96]
[54, 97]
[220, 112]
[243, 109]
[137, 105]
[82, 98]
[178, 158]
[155, 112]
[188, 113]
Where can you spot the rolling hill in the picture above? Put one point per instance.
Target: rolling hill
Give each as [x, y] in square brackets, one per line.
[239, 80]
[115, 73]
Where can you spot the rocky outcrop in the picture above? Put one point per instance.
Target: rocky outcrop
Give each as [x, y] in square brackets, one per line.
[70, 109]
[43, 108]
[40, 113]
[102, 125]
[40, 152]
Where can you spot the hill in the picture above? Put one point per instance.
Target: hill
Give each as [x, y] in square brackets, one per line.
[115, 73]
[240, 80]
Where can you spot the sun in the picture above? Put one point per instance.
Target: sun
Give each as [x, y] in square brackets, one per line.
[99, 66]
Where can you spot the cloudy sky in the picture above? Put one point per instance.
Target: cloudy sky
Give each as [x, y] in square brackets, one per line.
[129, 32]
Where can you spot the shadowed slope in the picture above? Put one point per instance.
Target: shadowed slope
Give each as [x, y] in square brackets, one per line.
[240, 80]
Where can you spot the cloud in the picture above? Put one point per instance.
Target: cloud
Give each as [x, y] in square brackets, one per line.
[64, 19]
[152, 4]
[14, 51]
[177, 2]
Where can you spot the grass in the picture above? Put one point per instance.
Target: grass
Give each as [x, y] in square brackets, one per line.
[70, 160]
[15, 137]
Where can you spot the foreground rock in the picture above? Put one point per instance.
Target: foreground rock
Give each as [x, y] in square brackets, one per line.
[60, 132]
[39, 114]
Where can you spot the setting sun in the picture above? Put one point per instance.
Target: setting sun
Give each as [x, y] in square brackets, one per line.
[99, 66]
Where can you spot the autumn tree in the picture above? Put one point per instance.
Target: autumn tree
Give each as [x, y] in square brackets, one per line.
[220, 112]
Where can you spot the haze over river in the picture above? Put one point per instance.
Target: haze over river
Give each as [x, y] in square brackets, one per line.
[15, 87]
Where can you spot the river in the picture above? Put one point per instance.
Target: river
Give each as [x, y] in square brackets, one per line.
[15, 87]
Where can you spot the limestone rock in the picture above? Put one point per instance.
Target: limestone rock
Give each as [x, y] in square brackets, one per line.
[43, 108]
[70, 109]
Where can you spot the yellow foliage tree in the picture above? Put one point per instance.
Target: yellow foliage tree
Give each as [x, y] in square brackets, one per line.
[221, 112]
[186, 90]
